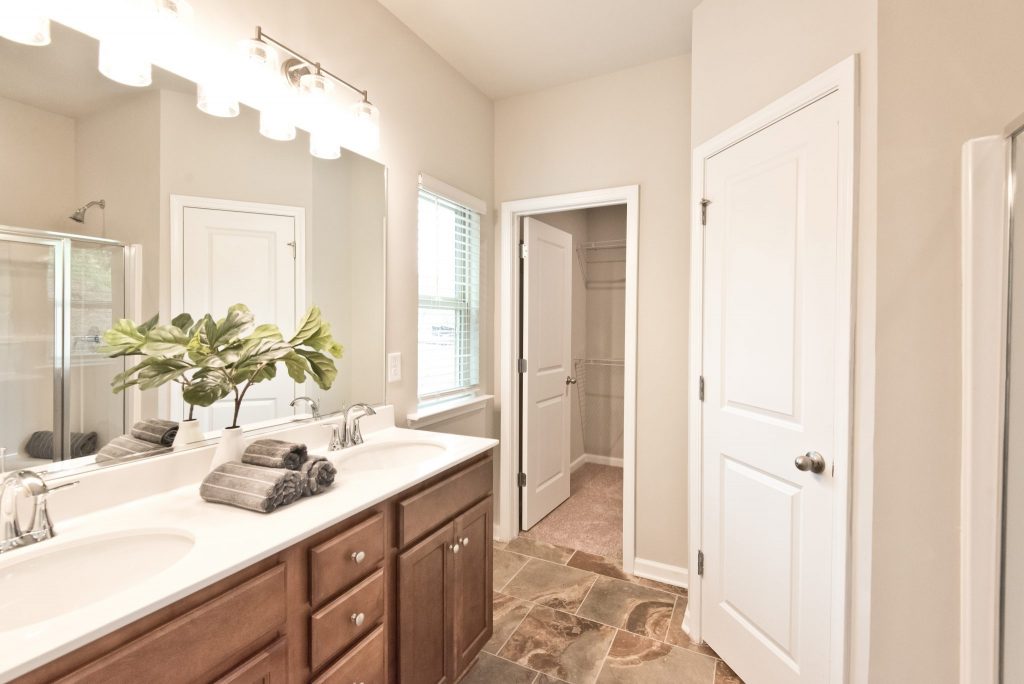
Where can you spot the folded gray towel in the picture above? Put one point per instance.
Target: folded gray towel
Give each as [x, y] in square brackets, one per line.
[127, 447]
[275, 453]
[156, 431]
[254, 488]
[318, 473]
[40, 444]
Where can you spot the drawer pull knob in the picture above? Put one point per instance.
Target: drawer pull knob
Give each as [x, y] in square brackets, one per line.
[465, 541]
[454, 548]
[358, 619]
[359, 556]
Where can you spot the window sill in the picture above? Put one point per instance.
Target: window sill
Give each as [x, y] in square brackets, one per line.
[446, 410]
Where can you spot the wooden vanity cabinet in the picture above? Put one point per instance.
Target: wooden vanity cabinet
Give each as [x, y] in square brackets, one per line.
[394, 594]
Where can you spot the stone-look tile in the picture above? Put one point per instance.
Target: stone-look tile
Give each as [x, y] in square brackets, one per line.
[539, 549]
[552, 585]
[506, 564]
[547, 679]
[634, 659]
[629, 606]
[561, 645]
[508, 613]
[725, 675]
[612, 567]
[500, 545]
[489, 669]
[677, 637]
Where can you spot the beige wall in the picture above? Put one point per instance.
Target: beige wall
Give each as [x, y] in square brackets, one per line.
[432, 121]
[628, 127]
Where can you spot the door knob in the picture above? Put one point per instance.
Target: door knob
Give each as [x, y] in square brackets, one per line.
[569, 380]
[359, 556]
[812, 461]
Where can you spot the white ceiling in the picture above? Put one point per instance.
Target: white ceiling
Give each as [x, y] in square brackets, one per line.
[509, 47]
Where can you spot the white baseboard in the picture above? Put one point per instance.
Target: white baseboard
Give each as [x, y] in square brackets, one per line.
[661, 572]
[595, 458]
[498, 536]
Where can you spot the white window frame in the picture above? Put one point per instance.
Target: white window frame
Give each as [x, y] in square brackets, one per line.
[469, 203]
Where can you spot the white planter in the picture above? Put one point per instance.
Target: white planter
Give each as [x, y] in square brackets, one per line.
[229, 448]
[188, 433]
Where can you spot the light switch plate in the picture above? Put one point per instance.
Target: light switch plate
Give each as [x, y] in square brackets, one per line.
[394, 366]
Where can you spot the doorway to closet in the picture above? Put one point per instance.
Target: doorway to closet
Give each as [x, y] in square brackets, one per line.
[569, 372]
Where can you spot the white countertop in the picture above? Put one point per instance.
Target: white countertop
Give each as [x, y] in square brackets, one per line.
[226, 539]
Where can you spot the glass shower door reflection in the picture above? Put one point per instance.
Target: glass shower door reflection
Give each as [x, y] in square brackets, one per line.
[31, 281]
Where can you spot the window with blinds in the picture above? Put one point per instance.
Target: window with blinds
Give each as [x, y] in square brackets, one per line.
[449, 311]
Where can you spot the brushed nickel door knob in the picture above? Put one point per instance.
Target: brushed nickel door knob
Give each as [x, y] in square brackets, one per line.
[811, 461]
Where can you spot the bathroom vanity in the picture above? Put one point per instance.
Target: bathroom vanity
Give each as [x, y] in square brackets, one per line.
[385, 577]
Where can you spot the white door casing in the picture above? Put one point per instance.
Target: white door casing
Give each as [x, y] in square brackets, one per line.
[243, 254]
[772, 323]
[547, 333]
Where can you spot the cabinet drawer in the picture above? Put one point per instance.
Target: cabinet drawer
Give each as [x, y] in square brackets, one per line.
[347, 558]
[191, 646]
[269, 666]
[363, 664]
[437, 505]
[336, 626]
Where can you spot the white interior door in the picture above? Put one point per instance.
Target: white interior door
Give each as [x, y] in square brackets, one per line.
[233, 257]
[770, 369]
[547, 336]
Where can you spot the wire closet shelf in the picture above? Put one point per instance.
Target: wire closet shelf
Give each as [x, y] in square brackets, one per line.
[581, 366]
[599, 261]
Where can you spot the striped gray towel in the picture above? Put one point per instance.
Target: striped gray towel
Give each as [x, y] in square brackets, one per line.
[254, 488]
[156, 431]
[318, 473]
[127, 447]
[275, 453]
[40, 444]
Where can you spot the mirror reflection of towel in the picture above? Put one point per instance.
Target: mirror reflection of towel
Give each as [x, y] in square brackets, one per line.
[155, 430]
[40, 444]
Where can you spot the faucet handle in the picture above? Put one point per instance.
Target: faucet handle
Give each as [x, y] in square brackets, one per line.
[337, 436]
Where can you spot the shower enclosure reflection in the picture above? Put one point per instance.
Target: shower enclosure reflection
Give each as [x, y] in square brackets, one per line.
[58, 293]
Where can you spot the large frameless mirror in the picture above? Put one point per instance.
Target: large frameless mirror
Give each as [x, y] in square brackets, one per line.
[123, 202]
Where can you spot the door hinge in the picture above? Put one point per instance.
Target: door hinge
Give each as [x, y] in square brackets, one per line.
[700, 388]
[704, 211]
[522, 365]
[292, 244]
[700, 563]
[522, 479]
[522, 250]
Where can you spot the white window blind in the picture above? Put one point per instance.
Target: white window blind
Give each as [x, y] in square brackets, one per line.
[449, 307]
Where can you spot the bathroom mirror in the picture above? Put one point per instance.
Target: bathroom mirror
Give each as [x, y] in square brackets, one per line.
[124, 202]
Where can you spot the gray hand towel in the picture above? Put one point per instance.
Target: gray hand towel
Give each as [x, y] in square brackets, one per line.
[254, 488]
[127, 447]
[275, 453]
[318, 473]
[155, 430]
[40, 444]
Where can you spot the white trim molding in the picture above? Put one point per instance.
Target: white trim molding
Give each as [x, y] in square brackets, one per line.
[447, 410]
[661, 572]
[584, 459]
[840, 80]
[452, 193]
[984, 260]
[507, 513]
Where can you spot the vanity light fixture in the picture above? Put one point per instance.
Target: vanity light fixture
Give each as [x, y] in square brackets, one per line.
[216, 97]
[143, 27]
[121, 60]
[25, 21]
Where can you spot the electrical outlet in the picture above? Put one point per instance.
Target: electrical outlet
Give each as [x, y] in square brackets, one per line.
[394, 366]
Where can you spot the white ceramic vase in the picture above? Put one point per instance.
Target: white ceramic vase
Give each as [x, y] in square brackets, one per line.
[229, 448]
[188, 433]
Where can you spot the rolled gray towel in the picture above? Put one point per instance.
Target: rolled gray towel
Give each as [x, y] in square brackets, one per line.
[275, 453]
[127, 447]
[254, 488]
[318, 473]
[40, 444]
[155, 430]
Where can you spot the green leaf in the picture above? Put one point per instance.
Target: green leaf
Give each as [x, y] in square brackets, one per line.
[184, 322]
[206, 391]
[267, 331]
[148, 325]
[163, 371]
[122, 339]
[237, 324]
[308, 326]
[165, 340]
[321, 368]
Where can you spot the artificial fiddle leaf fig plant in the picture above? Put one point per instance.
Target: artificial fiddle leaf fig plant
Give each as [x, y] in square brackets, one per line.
[215, 359]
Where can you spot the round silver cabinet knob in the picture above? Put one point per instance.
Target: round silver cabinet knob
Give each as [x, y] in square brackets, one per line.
[465, 541]
[359, 556]
[811, 461]
[358, 619]
[454, 548]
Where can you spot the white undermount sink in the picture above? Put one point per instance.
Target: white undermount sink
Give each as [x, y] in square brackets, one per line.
[389, 455]
[73, 575]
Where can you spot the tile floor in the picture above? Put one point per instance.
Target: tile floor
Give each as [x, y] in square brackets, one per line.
[591, 518]
[563, 615]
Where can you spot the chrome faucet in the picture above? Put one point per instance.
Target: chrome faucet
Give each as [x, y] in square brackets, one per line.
[313, 406]
[40, 528]
[337, 436]
[353, 434]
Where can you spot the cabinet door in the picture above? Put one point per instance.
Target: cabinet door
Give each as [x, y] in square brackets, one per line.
[269, 666]
[425, 575]
[473, 579]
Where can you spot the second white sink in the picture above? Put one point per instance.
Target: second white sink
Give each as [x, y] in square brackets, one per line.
[70, 576]
[389, 455]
